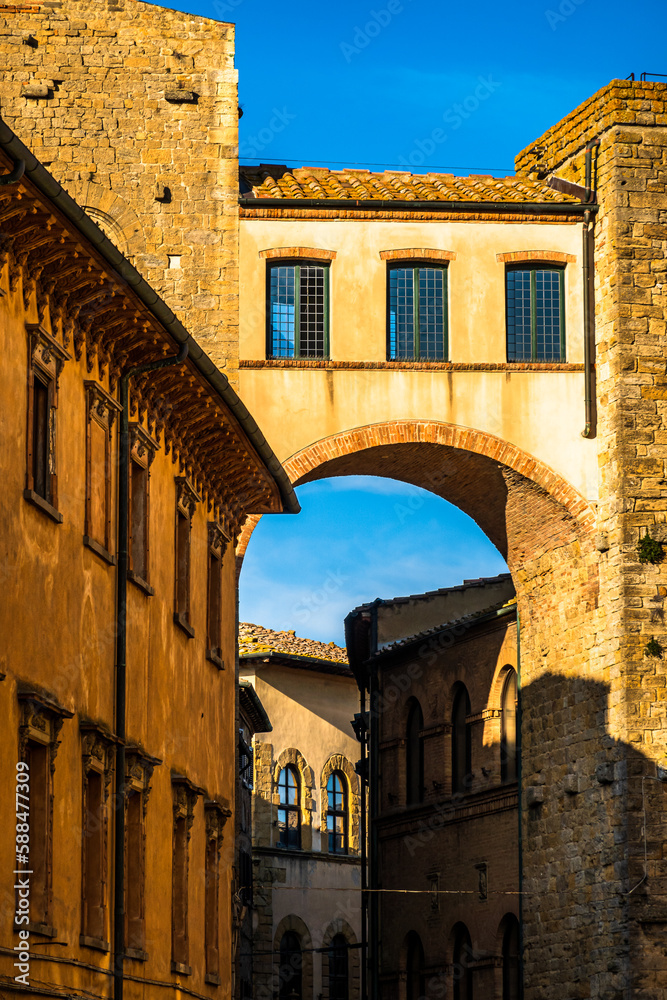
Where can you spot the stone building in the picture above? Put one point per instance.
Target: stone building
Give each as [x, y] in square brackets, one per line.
[134, 110]
[306, 819]
[442, 672]
[118, 661]
[556, 448]
[252, 720]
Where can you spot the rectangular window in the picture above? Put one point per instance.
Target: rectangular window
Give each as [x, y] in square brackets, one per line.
[535, 314]
[183, 566]
[100, 409]
[418, 314]
[211, 905]
[179, 909]
[94, 825]
[134, 870]
[39, 812]
[139, 520]
[213, 633]
[298, 313]
[41, 436]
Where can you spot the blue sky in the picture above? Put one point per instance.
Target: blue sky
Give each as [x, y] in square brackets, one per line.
[419, 85]
[356, 538]
[370, 82]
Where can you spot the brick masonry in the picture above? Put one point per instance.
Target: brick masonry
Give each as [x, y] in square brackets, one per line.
[140, 125]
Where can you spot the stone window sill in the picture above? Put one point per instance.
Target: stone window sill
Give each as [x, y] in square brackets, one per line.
[213, 978]
[92, 942]
[183, 970]
[183, 623]
[137, 954]
[99, 550]
[43, 930]
[214, 656]
[43, 505]
[139, 582]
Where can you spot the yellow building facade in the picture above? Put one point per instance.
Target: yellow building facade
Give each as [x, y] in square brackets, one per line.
[89, 764]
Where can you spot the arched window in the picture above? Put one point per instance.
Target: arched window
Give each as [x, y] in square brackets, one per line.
[337, 818]
[291, 961]
[414, 747]
[339, 976]
[511, 958]
[289, 809]
[508, 733]
[461, 751]
[461, 971]
[414, 967]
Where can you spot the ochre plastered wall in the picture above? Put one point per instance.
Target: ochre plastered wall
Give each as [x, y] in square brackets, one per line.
[301, 402]
[159, 174]
[59, 636]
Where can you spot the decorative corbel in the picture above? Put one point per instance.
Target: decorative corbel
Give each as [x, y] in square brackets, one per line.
[186, 497]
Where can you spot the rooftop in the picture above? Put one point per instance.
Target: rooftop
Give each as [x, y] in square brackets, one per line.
[279, 182]
[255, 640]
[463, 622]
[480, 581]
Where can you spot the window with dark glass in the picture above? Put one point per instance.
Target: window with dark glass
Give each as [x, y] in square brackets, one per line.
[511, 959]
[461, 971]
[417, 314]
[414, 747]
[298, 310]
[134, 869]
[39, 819]
[291, 962]
[94, 828]
[415, 968]
[179, 905]
[461, 743]
[186, 501]
[535, 314]
[336, 813]
[289, 809]
[139, 520]
[41, 437]
[339, 974]
[508, 732]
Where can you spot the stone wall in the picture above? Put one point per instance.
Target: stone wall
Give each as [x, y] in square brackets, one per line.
[606, 915]
[133, 108]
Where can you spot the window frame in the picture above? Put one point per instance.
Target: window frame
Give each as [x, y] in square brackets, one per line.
[414, 755]
[338, 972]
[461, 780]
[186, 502]
[288, 807]
[509, 766]
[333, 812]
[533, 267]
[142, 453]
[139, 768]
[97, 752]
[46, 358]
[218, 541]
[185, 795]
[215, 817]
[101, 409]
[297, 263]
[415, 265]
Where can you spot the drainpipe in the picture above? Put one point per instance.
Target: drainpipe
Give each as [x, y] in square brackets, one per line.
[374, 777]
[121, 661]
[16, 173]
[588, 368]
[364, 858]
[520, 785]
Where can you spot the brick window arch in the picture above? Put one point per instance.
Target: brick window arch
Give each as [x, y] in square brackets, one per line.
[508, 727]
[289, 807]
[414, 967]
[462, 955]
[306, 797]
[510, 944]
[292, 959]
[338, 764]
[339, 934]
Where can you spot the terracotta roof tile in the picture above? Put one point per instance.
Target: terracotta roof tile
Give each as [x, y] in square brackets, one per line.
[272, 181]
[256, 639]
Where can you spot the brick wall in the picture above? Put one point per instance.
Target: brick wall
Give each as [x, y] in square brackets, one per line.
[139, 123]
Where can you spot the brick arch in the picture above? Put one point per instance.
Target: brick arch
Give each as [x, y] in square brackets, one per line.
[337, 762]
[294, 923]
[521, 504]
[113, 215]
[340, 926]
[297, 760]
